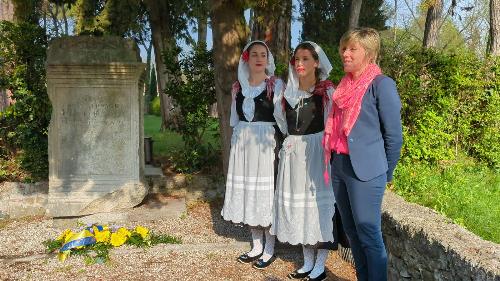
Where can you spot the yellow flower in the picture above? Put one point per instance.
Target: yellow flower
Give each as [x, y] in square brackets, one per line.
[102, 236]
[123, 231]
[68, 236]
[62, 256]
[64, 234]
[142, 231]
[118, 239]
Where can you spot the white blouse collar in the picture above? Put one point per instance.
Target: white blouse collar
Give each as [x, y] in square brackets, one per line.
[293, 97]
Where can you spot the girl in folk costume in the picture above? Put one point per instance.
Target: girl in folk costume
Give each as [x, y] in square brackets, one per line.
[250, 177]
[303, 202]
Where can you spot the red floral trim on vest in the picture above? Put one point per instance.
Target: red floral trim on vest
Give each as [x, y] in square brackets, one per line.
[270, 86]
[320, 89]
[270, 83]
[235, 88]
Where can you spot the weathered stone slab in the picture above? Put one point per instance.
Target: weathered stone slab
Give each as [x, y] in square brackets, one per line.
[96, 159]
[23, 199]
[155, 208]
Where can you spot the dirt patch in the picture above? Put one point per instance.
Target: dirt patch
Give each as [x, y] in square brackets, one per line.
[209, 250]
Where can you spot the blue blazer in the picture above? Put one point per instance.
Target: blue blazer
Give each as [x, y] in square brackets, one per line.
[376, 138]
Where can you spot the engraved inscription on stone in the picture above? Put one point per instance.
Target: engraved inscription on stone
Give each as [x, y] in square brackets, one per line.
[95, 121]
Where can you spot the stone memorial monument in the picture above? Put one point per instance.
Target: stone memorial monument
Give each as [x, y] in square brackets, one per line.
[96, 158]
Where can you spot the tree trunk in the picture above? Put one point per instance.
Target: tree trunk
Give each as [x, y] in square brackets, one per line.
[395, 20]
[354, 13]
[202, 22]
[53, 15]
[250, 23]
[65, 19]
[431, 31]
[230, 32]
[494, 27]
[6, 13]
[272, 23]
[6, 10]
[27, 11]
[202, 29]
[147, 85]
[45, 6]
[163, 40]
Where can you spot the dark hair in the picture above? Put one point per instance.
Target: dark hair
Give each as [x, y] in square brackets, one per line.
[310, 48]
[258, 43]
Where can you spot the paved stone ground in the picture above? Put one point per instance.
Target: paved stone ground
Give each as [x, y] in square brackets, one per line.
[210, 246]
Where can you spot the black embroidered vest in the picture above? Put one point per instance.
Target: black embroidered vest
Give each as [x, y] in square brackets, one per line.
[310, 119]
[264, 107]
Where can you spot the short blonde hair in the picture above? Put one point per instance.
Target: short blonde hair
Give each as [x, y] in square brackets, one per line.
[369, 38]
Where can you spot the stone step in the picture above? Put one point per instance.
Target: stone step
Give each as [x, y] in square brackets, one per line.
[30, 199]
[154, 207]
[192, 187]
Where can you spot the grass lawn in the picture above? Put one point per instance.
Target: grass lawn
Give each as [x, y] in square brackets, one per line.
[164, 142]
[168, 141]
[466, 192]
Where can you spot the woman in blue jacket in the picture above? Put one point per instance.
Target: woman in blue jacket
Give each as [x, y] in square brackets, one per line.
[363, 137]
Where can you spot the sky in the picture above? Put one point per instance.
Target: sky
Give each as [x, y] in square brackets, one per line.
[296, 27]
[295, 31]
[404, 18]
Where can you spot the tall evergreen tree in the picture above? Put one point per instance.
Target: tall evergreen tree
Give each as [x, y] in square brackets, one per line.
[168, 22]
[324, 21]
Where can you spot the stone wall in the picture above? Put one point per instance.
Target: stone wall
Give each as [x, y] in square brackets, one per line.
[23, 199]
[423, 245]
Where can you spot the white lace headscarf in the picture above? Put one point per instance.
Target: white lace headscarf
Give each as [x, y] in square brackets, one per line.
[292, 93]
[244, 70]
[244, 75]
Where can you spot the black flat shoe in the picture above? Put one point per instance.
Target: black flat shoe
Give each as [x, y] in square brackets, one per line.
[320, 277]
[245, 258]
[298, 275]
[260, 264]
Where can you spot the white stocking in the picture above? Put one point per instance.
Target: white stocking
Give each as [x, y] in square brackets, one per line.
[308, 259]
[319, 266]
[257, 239]
[269, 248]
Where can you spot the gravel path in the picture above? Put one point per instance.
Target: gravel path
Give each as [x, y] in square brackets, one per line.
[210, 246]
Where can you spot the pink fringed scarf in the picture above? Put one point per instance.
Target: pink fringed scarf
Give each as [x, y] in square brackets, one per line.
[347, 100]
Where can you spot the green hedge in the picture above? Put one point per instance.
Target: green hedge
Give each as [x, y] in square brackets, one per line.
[451, 105]
[155, 106]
